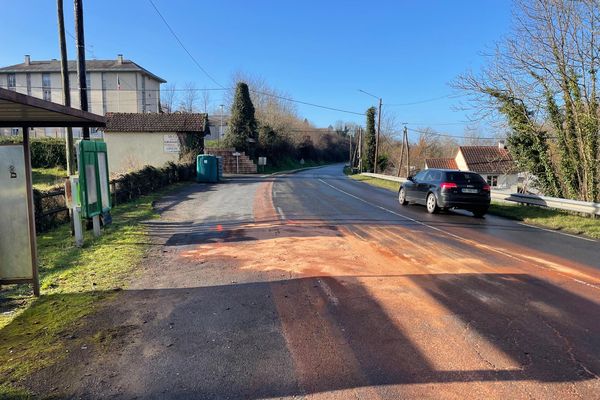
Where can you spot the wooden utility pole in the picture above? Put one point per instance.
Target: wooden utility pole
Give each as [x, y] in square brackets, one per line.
[66, 86]
[81, 75]
[360, 149]
[377, 137]
[407, 153]
[406, 146]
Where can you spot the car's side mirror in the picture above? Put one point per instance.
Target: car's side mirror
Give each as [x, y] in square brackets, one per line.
[411, 178]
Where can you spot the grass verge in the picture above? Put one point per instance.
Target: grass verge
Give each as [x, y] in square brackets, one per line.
[382, 183]
[548, 218]
[73, 281]
[47, 178]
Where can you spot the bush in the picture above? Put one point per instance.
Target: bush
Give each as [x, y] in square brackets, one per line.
[50, 209]
[45, 153]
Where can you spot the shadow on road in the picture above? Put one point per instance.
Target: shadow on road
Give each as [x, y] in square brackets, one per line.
[313, 335]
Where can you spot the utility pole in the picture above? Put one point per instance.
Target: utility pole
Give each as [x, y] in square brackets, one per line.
[360, 149]
[377, 138]
[65, 82]
[407, 147]
[81, 75]
[407, 153]
[221, 127]
[350, 152]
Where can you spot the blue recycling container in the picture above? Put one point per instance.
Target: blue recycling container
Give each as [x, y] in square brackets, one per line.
[207, 169]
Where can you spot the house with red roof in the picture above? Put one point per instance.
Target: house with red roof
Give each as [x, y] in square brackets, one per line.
[493, 163]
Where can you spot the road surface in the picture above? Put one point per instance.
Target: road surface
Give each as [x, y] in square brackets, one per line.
[312, 285]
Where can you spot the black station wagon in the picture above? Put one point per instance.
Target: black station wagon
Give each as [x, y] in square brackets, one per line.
[444, 189]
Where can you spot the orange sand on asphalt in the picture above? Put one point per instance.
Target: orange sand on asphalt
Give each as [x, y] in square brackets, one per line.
[361, 280]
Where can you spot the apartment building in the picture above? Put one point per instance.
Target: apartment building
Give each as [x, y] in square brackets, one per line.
[117, 85]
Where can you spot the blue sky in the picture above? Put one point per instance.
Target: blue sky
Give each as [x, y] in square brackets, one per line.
[316, 51]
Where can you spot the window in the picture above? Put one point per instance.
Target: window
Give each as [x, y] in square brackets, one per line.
[433, 176]
[46, 86]
[14, 131]
[420, 176]
[11, 81]
[492, 180]
[28, 77]
[463, 177]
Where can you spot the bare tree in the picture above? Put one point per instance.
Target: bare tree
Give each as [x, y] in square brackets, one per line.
[168, 98]
[189, 98]
[205, 98]
[543, 81]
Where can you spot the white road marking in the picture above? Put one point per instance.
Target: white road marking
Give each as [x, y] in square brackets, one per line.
[460, 238]
[557, 232]
[334, 300]
[281, 214]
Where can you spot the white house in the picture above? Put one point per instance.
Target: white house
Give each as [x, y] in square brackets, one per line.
[117, 85]
[135, 140]
[494, 163]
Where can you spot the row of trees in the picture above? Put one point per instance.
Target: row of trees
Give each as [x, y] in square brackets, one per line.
[273, 129]
[543, 82]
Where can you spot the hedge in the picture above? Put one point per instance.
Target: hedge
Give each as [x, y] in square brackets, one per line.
[50, 209]
[45, 152]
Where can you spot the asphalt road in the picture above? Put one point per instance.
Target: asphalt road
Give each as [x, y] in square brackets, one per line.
[311, 285]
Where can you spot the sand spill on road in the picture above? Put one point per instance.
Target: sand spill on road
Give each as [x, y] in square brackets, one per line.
[387, 311]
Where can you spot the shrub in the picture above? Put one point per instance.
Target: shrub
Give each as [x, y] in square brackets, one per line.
[45, 153]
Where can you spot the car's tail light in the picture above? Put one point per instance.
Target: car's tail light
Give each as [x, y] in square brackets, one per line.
[486, 188]
[448, 185]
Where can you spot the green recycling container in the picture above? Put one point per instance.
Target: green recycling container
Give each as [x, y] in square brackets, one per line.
[207, 168]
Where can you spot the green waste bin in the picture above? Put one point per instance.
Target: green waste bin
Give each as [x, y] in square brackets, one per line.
[207, 168]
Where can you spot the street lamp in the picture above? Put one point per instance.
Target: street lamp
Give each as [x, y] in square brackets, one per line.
[378, 128]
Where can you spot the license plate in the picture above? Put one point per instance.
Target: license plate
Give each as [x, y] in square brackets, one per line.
[470, 190]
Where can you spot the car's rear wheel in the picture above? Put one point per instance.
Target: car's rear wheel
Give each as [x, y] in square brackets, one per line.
[479, 213]
[432, 206]
[402, 197]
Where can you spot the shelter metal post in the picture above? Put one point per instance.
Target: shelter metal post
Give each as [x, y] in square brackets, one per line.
[31, 211]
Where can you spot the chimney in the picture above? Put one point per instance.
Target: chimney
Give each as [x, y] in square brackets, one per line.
[502, 145]
[119, 58]
[27, 59]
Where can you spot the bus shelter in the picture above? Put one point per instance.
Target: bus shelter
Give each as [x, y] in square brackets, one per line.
[18, 250]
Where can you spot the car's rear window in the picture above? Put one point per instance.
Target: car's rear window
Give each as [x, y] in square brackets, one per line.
[463, 177]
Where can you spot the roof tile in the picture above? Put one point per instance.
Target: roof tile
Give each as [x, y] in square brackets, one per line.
[156, 122]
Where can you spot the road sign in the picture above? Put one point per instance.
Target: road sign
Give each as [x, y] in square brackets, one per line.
[262, 160]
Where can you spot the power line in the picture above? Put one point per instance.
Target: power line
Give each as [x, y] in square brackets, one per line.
[449, 135]
[131, 89]
[450, 95]
[306, 103]
[183, 46]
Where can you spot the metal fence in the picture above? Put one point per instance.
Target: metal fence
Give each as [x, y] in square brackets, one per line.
[582, 207]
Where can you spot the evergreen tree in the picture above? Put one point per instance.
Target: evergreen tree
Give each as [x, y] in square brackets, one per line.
[242, 128]
[370, 140]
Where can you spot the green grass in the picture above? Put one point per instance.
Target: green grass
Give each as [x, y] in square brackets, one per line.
[382, 183]
[548, 218]
[73, 282]
[47, 178]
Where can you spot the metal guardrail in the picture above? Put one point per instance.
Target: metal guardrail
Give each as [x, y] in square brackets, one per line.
[583, 207]
[385, 177]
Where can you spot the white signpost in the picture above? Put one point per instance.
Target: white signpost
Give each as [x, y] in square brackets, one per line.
[237, 161]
